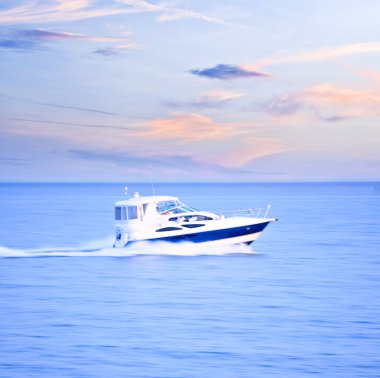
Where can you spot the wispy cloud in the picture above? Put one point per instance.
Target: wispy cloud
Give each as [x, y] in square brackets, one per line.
[13, 161]
[321, 54]
[167, 12]
[210, 99]
[228, 72]
[282, 105]
[115, 50]
[47, 35]
[372, 75]
[27, 39]
[216, 97]
[37, 12]
[76, 108]
[184, 128]
[174, 163]
[236, 71]
[16, 44]
[250, 148]
[342, 103]
[326, 102]
[336, 95]
[74, 124]
[73, 10]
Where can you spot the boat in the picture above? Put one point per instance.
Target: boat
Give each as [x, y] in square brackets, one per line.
[166, 218]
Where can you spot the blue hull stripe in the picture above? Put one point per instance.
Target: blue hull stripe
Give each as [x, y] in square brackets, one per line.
[205, 236]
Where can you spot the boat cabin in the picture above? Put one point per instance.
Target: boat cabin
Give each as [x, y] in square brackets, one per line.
[145, 208]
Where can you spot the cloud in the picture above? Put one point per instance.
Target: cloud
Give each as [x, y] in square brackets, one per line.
[252, 147]
[115, 50]
[184, 128]
[27, 39]
[74, 10]
[282, 105]
[216, 97]
[75, 124]
[169, 13]
[211, 99]
[372, 75]
[78, 108]
[228, 72]
[75, 108]
[342, 96]
[15, 44]
[158, 163]
[326, 102]
[56, 11]
[13, 161]
[321, 54]
[333, 119]
[46, 35]
[342, 102]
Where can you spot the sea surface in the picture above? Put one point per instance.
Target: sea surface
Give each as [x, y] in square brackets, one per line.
[302, 301]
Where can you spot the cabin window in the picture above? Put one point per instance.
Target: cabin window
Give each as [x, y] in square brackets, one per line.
[120, 213]
[173, 207]
[117, 213]
[132, 212]
[166, 206]
[203, 218]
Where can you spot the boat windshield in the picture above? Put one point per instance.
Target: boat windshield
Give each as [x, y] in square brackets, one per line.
[173, 207]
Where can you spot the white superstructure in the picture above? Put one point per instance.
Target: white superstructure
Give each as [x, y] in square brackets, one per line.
[166, 218]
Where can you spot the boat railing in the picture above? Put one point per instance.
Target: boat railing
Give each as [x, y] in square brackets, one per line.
[252, 212]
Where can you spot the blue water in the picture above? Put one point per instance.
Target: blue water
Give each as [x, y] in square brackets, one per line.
[302, 301]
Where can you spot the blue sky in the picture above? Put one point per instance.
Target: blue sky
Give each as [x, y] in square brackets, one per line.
[132, 90]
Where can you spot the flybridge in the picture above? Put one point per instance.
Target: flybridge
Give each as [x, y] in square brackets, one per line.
[166, 218]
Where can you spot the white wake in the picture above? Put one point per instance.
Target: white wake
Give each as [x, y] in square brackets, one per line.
[103, 248]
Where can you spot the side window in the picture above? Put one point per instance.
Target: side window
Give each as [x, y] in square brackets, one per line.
[120, 213]
[132, 212]
[117, 213]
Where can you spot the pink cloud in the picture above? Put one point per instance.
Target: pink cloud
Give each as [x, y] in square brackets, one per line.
[341, 96]
[216, 97]
[342, 103]
[250, 148]
[374, 76]
[169, 13]
[322, 54]
[325, 102]
[55, 11]
[185, 128]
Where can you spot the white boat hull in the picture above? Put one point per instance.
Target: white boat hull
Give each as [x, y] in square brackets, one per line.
[216, 234]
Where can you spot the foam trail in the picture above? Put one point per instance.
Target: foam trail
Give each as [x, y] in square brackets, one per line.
[102, 248]
[185, 249]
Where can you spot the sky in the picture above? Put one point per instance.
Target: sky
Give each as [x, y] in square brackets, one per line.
[241, 91]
